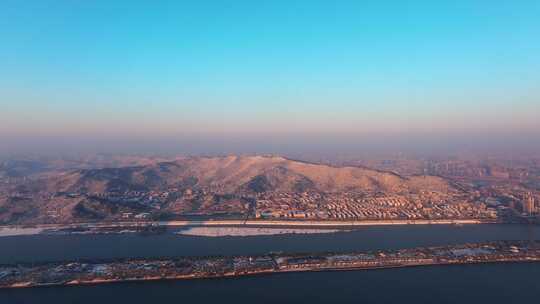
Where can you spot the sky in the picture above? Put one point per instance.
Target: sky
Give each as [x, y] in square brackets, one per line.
[256, 76]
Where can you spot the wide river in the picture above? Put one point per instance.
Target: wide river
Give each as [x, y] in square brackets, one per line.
[500, 283]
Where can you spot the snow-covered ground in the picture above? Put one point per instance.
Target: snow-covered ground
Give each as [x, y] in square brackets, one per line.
[248, 231]
[19, 231]
[194, 231]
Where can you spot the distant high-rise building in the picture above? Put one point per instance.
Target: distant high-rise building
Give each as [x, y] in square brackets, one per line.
[528, 204]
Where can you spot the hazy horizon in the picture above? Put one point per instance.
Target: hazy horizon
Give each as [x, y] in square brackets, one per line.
[312, 146]
[279, 77]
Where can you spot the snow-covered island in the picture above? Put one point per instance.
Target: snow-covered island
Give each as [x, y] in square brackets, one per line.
[248, 231]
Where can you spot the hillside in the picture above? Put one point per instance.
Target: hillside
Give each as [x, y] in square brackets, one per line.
[235, 173]
[196, 186]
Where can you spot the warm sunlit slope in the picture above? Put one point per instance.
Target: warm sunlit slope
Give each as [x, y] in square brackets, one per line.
[248, 173]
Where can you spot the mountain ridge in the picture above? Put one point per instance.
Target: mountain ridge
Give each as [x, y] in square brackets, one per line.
[230, 173]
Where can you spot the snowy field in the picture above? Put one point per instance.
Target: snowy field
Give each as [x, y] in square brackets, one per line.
[19, 231]
[248, 231]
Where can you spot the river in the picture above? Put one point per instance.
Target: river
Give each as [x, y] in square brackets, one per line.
[501, 283]
[36, 248]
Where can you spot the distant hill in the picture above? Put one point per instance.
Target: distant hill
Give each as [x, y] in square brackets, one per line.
[43, 166]
[217, 184]
[21, 167]
[241, 173]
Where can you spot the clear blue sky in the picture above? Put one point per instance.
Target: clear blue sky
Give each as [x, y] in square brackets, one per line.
[162, 68]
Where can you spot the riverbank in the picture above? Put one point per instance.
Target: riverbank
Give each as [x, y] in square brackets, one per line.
[252, 274]
[124, 227]
[420, 285]
[128, 270]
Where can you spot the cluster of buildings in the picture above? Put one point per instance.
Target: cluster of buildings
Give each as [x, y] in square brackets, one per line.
[528, 205]
[200, 202]
[154, 199]
[488, 199]
[514, 201]
[466, 167]
[355, 206]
